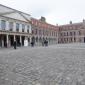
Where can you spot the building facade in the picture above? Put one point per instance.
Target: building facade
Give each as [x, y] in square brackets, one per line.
[72, 33]
[41, 31]
[14, 25]
[19, 26]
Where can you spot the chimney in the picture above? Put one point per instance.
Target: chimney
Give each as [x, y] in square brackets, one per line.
[70, 22]
[43, 19]
[83, 20]
[56, 24]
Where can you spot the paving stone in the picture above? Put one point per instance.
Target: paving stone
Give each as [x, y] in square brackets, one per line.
[62, 64]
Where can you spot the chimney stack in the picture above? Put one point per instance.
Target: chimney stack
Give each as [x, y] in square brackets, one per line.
[70, 22]
[83, 20]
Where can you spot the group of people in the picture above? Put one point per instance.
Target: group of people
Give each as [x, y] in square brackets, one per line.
[32, 44]
[44, 43]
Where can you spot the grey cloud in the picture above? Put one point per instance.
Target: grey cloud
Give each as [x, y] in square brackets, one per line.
[60, 11]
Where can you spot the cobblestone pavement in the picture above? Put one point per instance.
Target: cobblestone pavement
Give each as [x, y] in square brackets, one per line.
[53, 65]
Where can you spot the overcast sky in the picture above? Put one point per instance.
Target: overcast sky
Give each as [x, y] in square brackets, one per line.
[55, 11]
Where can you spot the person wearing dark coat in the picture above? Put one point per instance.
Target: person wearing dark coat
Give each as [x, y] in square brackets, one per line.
[46, 43]
[15, 44]
[32, 44]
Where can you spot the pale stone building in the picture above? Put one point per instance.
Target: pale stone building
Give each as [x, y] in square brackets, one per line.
[14, 25]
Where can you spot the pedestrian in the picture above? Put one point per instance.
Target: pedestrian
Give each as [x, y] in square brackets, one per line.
[6, 44]
[15, 44]
[32, 44]
[46, 43]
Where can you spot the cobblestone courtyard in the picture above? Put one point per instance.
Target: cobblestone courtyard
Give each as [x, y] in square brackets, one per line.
[53, 65]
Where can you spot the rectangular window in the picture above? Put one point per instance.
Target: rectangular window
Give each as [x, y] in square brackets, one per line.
[3, 24]
[79, 32]
[35, 31]
[67, 33]
[70, 33]
[39, 32]
[74, 33]
[28, 28]
[56, 34]
[17, 27]
[23, 27]
[11, 26]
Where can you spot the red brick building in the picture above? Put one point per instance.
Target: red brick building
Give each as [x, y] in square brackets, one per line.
[41, 30]
[72, 33]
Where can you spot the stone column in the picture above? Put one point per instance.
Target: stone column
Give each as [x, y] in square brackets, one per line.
[7, 25]
[2, 41]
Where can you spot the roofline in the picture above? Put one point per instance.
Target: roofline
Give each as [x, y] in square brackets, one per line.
[14, 19]
[71, 24]
[14, 9]
[44, 22]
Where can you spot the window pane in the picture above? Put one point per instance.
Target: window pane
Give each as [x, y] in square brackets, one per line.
[23, 27]
[28, 30]
[17, 26]
[3, 24]
[10, 26]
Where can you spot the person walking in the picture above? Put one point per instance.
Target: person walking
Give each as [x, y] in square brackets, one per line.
[46, 43]
[32, 44]
[15, 44]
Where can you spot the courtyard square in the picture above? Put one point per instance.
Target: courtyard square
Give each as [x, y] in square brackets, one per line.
[62, 64]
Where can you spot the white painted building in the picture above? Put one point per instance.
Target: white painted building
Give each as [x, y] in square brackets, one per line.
[14, 25]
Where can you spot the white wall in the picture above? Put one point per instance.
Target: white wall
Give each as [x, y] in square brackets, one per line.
[25, 28]
[30, 29]
[20, 28]
[14, 24]
[7, 25]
